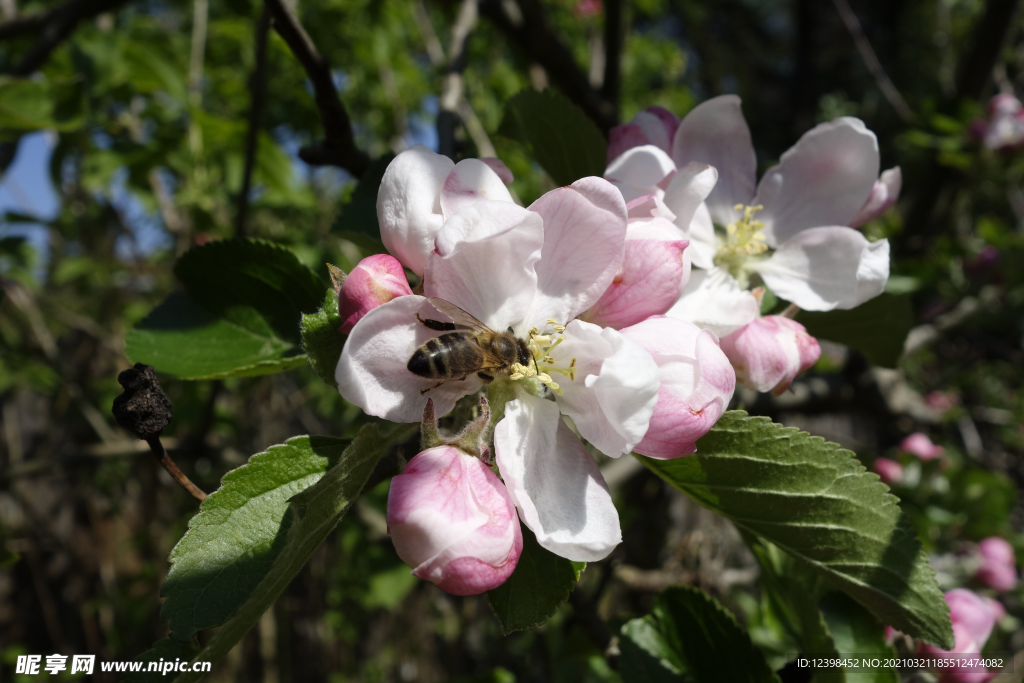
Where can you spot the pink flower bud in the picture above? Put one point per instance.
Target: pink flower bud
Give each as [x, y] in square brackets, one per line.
[941, 400]
[1003, 104]
[649, 281]
[374, 281]
[697, 383]
[920, 445]
[883, 195]
[998, 570]
[889, 471]
[973, 619]
[770, 352]
[452, 520]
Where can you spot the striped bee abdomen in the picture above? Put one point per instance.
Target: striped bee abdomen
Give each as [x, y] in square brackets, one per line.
[448, 356]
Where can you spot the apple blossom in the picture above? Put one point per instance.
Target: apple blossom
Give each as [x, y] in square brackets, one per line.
[532, 271]
[1003, 130]
[889, 471]
[697, 384]
[453, 521]
[998, 564]
[653, 126]
[770, 352]
[920, 445]
[374, 281]
[973, 619]
[790, 230]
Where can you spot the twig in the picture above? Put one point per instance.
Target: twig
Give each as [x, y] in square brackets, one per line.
[871, 61]
[258, 88]
[451, 94]
[614, 36]
[339, 147]
[430, 41]
[172, 469]
[200, 11]
[528, 28]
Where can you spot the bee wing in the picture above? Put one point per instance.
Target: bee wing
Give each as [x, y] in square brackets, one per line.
[459, 316]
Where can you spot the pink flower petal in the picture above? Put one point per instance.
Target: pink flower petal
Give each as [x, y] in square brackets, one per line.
[623, 138]
[920, 445]
[639, 170]
[770, 352]
[454, 522]
[499, 167]
[649, 281]
[883, 195]
[555, 483]
[697, 383]
[824, 179]
[889, 471]
[376, 280]
[584, 239]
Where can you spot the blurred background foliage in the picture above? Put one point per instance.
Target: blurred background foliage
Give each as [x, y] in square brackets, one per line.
[124, 144]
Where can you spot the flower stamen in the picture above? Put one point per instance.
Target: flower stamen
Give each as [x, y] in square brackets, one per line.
[743, 239]
[541, 345]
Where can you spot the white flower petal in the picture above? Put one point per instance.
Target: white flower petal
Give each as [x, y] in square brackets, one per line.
[825, 268]
[716, 133]
[555, 482]
[471, 181]
[703, 243]
[640, 167]
[616, 386]
[687, 191]
[584, 239]
[485, 262]
[713, 300]
[408, 205]
[824, 179]
[372, 370]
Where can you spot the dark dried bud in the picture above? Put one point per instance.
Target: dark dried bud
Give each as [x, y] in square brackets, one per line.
[143, 409]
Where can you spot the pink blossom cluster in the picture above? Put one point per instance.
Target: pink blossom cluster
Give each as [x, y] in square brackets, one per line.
[998, 569]
[793, 230]
[973, 619]
[582, 279]
[638, 313]
[918, 445]
[1003, 128]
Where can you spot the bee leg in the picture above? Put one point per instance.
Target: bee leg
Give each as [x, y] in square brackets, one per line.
[485, 377]
[432, 387]
[436, 324]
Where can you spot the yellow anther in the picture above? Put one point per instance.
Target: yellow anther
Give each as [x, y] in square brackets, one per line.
[559, 328]
[552, 321]
[743, 238]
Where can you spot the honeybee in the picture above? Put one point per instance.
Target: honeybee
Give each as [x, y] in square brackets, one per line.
[471, 348]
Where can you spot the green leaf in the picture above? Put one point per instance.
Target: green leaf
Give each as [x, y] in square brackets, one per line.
[311, 515]
[167, 649]
[321, 339]
[877, 328]
[34, 104]
[855, 631]
[257, 285]
[563, 140]
[816, 501]
[239, 532]
[181, 339]
[540, 583]
[690, 636]
[239, 316]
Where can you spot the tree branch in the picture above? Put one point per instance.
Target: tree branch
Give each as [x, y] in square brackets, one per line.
[53, 28]
[258, 89]
[871, 61]
[614, 39]
[339, 147]
[451, 94]
[526, 25]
